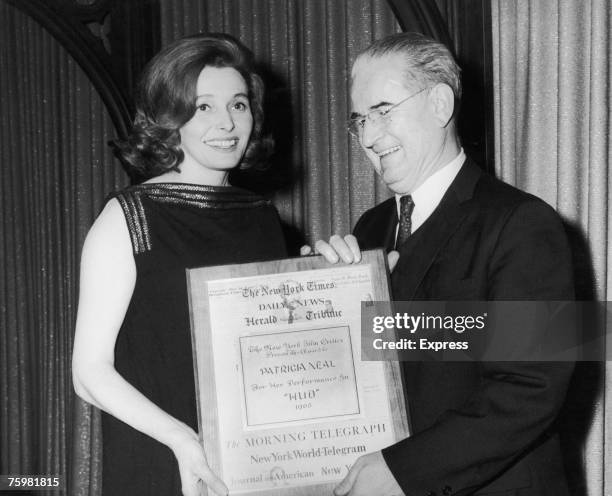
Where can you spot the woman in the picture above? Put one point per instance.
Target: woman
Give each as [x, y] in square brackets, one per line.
[199, 115]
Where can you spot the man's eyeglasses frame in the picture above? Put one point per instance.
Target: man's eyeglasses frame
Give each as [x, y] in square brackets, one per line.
[355, 126]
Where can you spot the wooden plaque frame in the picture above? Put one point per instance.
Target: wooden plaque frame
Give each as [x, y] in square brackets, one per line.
[197, 282]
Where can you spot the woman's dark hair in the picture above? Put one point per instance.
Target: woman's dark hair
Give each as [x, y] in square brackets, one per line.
[166, 97]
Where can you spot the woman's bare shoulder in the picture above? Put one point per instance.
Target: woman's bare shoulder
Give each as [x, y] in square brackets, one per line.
[108, 238]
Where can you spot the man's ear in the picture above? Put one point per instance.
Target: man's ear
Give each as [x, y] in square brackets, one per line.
[442, 101]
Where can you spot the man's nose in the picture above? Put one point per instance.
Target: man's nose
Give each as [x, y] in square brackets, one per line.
[225, 120]
[370, 133]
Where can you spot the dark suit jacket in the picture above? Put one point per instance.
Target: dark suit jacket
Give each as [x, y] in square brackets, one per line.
[489, 426]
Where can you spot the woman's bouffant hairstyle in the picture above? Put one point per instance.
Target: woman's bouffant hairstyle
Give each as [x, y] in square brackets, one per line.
[166, 97]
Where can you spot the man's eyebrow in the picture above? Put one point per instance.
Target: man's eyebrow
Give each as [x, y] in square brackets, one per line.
[355, 115]
[381, 104]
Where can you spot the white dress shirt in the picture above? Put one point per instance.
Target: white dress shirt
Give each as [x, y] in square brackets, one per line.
[429, 194]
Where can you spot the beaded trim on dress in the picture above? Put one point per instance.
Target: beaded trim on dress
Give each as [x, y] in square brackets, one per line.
[208, 197]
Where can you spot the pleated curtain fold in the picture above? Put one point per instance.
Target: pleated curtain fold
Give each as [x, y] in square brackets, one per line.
[57, 169]
[552, 132]
[553, 95]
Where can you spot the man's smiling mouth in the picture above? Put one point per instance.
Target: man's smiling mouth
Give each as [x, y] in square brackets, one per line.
[388, 151]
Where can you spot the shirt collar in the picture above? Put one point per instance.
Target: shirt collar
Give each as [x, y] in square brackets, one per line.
[429, 194]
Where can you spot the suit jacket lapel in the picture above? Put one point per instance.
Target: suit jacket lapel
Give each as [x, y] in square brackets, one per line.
[380, 229]
[391, 227]
[422, 248]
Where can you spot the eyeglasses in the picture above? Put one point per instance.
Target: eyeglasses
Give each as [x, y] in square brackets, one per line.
[376, 116]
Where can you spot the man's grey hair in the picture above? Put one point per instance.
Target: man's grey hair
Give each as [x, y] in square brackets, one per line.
[427, 61]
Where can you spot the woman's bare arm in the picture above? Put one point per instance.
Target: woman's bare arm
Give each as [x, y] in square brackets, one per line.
[108, 276]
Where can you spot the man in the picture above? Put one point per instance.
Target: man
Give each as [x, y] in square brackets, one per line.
[462, 235]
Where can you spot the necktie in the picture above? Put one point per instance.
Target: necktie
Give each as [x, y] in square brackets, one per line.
[405, 221]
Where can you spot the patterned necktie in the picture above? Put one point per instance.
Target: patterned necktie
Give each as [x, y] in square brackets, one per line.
[405, 221]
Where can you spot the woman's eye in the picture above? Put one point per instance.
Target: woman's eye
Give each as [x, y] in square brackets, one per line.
[241, 106]
[203, 107]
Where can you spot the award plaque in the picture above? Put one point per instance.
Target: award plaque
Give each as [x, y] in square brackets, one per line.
[285, 403]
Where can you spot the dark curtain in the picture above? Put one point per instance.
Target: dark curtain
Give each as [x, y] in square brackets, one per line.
[55, 170]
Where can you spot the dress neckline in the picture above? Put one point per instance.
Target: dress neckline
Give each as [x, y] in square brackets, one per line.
[189, 186]
[198, 194]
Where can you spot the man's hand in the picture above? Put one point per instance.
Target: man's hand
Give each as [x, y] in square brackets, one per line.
[345, 249]
[369, 476]
[338, 248]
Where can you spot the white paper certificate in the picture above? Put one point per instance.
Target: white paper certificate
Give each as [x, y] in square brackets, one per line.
[298, 375]
[295, 404]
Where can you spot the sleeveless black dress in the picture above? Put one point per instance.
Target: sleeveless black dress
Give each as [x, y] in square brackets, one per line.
[173, 227]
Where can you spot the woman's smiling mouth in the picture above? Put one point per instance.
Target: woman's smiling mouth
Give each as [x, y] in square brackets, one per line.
[222, 144]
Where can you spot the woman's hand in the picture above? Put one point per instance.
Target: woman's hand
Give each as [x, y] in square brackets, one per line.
[193, 465]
